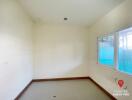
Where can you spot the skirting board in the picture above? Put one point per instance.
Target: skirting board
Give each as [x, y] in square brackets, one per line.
[59, 79]
[21, 93]
[67, 78]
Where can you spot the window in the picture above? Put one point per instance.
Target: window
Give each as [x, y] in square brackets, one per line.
[125, 51]
[121, 49]
[106, 50]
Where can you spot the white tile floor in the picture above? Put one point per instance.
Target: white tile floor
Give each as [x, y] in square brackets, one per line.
[64, 90]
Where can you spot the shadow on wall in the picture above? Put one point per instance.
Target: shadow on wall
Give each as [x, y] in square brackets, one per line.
[76, 71]
[59, 60]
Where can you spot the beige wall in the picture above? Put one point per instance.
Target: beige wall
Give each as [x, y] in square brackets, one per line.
[60, 51]
[15, 49]
[118, 19]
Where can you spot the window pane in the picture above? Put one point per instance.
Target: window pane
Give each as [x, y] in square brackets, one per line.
[125, 51]
[106, 50]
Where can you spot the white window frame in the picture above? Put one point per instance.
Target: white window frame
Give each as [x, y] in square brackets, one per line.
[98, 50]
[116, 47]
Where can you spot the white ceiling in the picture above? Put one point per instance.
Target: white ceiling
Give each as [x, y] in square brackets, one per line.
[79, 12]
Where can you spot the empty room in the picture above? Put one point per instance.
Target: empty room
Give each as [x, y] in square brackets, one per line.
[65, 50]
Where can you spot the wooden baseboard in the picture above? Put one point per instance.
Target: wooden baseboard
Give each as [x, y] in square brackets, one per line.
[60, 79]
[22, 92]
[66, 78]
[101, 88]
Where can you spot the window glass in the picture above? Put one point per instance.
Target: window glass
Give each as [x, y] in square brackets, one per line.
[106, 50]
[125, 51]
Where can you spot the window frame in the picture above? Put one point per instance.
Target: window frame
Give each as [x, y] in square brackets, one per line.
[116, 47]
[105, 35]
[117, 43]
